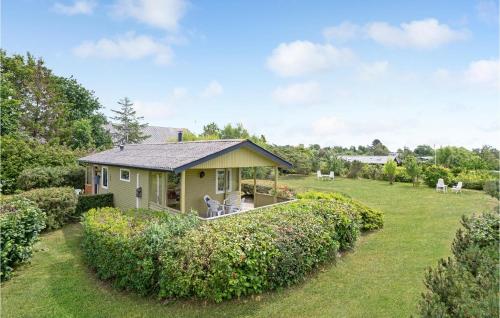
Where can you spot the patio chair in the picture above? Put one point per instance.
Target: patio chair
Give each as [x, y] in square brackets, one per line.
[440, 186]
[331, 176]
[214, 207]
[457, 188]
[321, 176]
[233, 202]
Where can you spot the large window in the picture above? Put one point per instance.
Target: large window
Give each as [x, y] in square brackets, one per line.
[104, 177]
[222, 181]
[125, 175]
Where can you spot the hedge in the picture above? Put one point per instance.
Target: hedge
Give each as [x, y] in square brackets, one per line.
[20, 223]
[45, 177]
[467, 284]
[177, 256]
[58, 204]
[87, 202]
[125, 248]
[492, 188]
[371, 219]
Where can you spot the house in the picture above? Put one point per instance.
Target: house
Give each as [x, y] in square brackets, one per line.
[374, 160]
[157, 134]
[177, 175]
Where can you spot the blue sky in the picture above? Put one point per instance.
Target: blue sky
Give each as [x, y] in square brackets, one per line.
[327, 72]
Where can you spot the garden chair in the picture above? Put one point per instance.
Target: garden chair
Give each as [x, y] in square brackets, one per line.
[233, 202]
[440, 186]
[457, 188]
[321, 176]
[331, 176]
[214, 207]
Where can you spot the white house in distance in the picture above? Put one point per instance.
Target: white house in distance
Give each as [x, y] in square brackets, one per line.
[373, 160]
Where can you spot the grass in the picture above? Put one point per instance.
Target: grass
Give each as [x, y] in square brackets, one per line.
[382, 277]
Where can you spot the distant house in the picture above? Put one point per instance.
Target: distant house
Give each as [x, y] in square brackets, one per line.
[157, 134]
[374, 160]
[178, 175]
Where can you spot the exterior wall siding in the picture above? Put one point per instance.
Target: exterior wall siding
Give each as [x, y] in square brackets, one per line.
[197, 188]
[123, 191]
[242, 157]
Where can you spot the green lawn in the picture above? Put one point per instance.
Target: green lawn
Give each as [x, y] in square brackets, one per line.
[381, 278]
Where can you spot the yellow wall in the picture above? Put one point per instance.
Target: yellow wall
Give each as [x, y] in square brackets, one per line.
[123, 191]
[197, 188]
[242, 157]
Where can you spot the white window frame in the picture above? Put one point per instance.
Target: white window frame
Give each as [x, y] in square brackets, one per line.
[228, 185]
[128, 175]
[102, 177]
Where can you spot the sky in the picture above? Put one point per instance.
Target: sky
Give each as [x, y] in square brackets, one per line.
[298, 72]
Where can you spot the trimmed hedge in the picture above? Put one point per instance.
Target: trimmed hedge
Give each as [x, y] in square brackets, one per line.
[371, 219]
[58, 204]
[87, 202]
[467, 285]
[45, 177]
[179, 256]
[125, 248]
[20, 223]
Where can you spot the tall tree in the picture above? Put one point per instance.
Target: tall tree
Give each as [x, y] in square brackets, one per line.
[412, 168]
[211, 129]
[127, 125]
[390, 170]
[424, 150]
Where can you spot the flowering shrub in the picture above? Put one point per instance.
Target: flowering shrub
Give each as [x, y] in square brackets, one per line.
[20, 223]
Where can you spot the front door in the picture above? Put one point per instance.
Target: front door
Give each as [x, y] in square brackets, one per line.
[96, 180]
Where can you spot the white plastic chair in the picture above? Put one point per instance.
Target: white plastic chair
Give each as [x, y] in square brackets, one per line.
[214, 208]
[233, 202]
[457, 188]
[319, 175]
[331, 176]
[440, 186]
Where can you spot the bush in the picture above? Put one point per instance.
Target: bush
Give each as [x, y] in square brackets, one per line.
[433, 173]
[19, 154]
[354, 169]
[467, 285]
[373, 172]
[474, 179]
[371, 219]
[58, 204]
[492, 188]
[177, 256]
[402, 175]
[125, 248]
[44, 177]
[20, 223]
[87, 202]
[258, 251]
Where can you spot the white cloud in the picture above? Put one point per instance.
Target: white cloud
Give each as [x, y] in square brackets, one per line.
[328, 125]
[154, 112]
[304, 57]
[298, 94]
[129, 46]
[483, 72]
[78, 7]
[213, 89]
[373, 70]
[419, 34]
[342, 32]
[487, 11]
[163, 14]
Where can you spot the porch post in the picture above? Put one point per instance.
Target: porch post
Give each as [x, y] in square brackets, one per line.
[183, 191]
[275, 184]
[239, 180]
[86, 178]
[164, 188]
[254, 183]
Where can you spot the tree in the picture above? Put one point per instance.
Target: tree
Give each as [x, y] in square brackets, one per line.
[424, 151]
[412, 168]
[81, 134]
[390, 170]
[127, 125]
[211, 130]
[238, 132]
[378, 148]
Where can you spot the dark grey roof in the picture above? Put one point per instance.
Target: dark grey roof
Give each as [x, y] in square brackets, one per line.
[370, 159]
[174, 156]
[157, 134]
